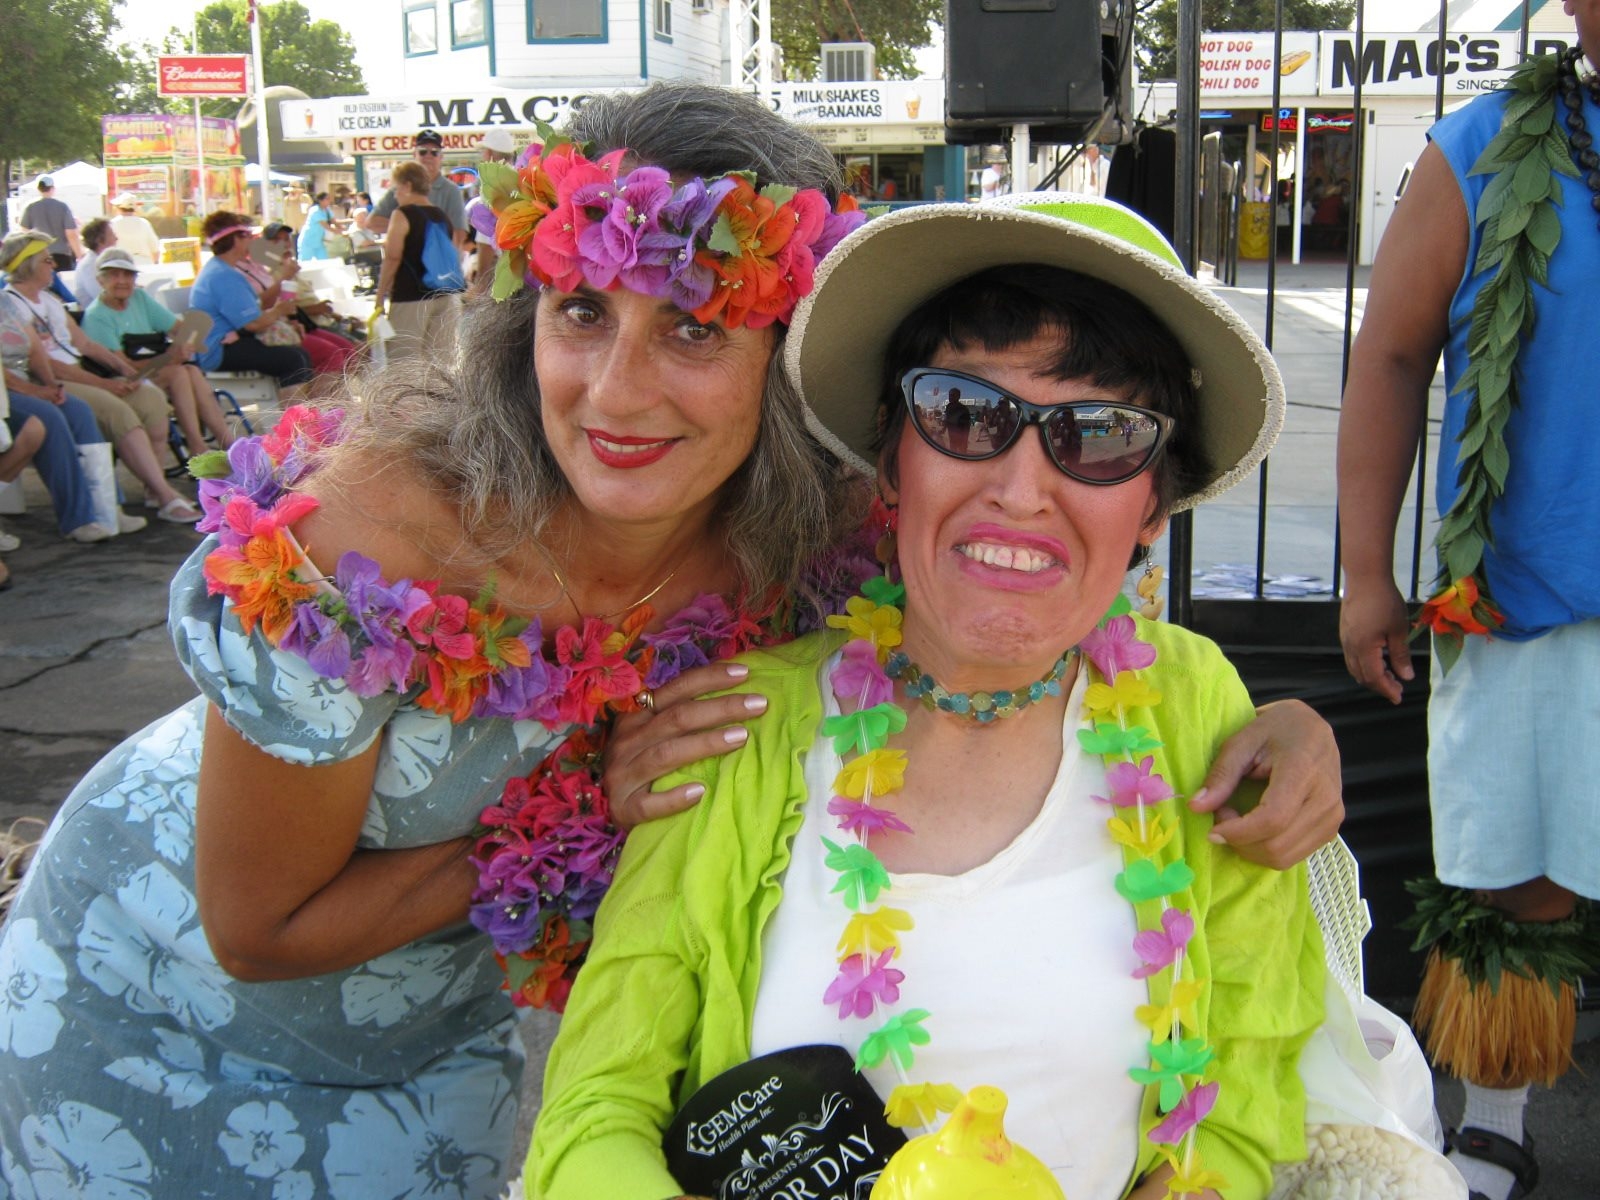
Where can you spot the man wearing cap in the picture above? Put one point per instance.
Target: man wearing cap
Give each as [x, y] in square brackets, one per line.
[49, 215]
[134, 233]
[428, 149]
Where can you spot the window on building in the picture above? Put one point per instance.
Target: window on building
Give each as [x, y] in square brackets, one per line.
[468, 26]
[422, 30]
[664, 19]
[552, 20]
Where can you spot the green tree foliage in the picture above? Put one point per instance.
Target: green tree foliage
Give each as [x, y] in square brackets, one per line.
[1156, 34]
[897, 28]
[58, 71]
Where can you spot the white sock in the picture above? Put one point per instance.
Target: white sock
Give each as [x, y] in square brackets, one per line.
[1495, 1110]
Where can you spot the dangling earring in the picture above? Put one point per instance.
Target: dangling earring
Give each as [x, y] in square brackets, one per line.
[1149, 589]
[886, 517]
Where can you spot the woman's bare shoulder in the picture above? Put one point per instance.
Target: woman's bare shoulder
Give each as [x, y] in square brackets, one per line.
[388, 511]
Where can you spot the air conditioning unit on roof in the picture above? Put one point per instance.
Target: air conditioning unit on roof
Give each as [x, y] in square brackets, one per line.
[849, 62]
[700, 6]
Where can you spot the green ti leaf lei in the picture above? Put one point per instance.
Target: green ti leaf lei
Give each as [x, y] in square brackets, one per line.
[1487, 944]
[1521, 230]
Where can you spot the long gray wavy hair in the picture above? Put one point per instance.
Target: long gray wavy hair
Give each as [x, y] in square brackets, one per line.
[474, 426]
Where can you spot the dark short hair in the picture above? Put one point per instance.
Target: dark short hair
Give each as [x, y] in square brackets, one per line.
[320, 197]
[428, 137]
[1107, 336]
[221, 219]
[94, 232]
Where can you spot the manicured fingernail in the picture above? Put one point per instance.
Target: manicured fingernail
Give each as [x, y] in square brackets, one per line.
[737, 670]
[755, 704]
[1216, 838]
[1198, 797]
[695, 790]
[736, 736]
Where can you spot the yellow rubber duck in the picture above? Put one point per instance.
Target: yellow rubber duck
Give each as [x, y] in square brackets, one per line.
[969, 1159]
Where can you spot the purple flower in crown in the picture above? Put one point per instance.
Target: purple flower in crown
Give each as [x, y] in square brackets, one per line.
[620, 214]
[683, 224]
[482, 218]
[252, 473]
[834, 229]
[319, 639]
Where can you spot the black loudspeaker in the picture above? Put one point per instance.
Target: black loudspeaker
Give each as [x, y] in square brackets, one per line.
[1022, 62]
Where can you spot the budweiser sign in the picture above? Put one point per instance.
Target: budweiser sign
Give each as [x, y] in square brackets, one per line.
[203, 74]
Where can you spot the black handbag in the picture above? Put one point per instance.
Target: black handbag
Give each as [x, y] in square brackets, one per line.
[144, 345]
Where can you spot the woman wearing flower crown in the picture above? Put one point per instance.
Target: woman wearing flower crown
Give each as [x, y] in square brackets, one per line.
[249, 971]
[958, 844]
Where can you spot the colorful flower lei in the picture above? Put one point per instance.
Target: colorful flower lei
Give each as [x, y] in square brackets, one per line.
[867, 980]
[717, 248]
[548, 849]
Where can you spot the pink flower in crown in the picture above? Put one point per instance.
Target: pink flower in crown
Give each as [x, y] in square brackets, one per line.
[556, 257]
[862, 984]
[863, 819]
[629, 214]
[1159, 948]
[1116, 648]
[859, 678]
[796, 262]
[1132, 783]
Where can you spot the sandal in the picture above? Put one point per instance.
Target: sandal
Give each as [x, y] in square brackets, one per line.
[179, 511]
[1501, 1151]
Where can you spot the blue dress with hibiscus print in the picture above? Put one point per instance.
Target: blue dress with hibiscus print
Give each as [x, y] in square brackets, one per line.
[133, 1067]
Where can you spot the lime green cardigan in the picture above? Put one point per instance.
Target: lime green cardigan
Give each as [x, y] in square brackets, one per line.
[666, 999]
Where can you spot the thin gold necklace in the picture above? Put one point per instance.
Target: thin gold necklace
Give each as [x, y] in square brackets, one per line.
[626, 608]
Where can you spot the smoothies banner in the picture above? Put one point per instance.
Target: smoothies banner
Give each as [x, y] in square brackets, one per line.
[153, 156]
[132, 140]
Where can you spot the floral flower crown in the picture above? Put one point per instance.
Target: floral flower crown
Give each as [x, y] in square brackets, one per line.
[714, 247]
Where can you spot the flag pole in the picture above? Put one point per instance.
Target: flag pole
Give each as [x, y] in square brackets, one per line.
[263, 133]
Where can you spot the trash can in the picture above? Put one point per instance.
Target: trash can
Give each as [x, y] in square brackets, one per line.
[1255, 229]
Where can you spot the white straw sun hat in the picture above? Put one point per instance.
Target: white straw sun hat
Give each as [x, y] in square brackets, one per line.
[883, 271]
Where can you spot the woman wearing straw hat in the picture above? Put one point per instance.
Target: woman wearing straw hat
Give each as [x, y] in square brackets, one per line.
[934, 774]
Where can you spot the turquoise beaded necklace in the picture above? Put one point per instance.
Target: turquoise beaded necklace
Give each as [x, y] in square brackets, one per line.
[982, 707]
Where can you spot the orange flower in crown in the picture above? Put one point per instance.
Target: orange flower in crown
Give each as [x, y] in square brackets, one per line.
[715, 247]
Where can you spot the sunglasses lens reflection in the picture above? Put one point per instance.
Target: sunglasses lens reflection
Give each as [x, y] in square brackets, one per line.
[1092, 442]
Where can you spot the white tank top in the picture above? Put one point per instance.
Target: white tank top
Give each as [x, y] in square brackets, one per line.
[1025, 964]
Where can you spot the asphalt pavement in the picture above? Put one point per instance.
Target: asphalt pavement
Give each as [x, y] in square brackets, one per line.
[85, 659]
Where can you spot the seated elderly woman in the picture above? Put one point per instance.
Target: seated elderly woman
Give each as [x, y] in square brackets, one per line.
[121, 314]
[911, 857]
[131, 413]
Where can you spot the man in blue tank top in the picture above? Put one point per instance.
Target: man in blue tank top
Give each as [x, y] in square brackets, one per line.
[1493, 259]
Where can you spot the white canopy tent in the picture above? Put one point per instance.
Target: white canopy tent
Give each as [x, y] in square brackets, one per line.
[80, 186]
